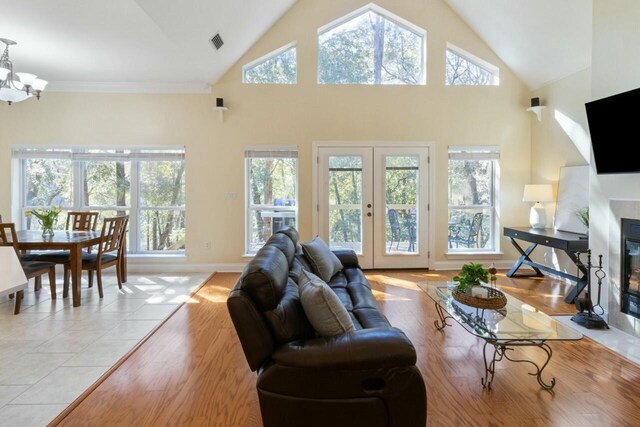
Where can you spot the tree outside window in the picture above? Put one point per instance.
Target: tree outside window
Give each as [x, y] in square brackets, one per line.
[371, 48]
[277, 68]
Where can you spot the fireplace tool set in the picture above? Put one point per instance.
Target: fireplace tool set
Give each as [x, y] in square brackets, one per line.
[586, 315]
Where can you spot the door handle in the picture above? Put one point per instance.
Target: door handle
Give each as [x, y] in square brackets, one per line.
[369, 214]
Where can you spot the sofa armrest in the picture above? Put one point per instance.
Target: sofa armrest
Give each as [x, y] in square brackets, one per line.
[347, 257]
[372, 348]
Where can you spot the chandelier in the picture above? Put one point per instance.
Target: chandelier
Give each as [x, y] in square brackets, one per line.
[16, 87]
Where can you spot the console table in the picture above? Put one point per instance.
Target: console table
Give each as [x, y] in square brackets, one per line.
[570, 243]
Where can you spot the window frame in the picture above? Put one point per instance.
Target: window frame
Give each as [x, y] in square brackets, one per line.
[250, 208]
[407, 25]
[475, 60]
[490, 153]
[264, 58]
[79, 156]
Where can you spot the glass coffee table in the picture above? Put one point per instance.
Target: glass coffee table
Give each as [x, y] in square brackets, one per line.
[516, 325]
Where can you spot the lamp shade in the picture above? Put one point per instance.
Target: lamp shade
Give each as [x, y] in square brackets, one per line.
[538, 193]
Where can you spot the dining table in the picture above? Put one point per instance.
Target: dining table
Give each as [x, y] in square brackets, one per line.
[74, 242]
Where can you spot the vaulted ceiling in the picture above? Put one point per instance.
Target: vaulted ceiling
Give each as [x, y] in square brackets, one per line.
[161, 45]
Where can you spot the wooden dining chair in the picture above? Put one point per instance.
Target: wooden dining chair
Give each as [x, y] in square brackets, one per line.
[32, 269]
[109, 254]
[76, 221]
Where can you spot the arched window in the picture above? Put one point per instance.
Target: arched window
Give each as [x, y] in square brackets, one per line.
[277, 67]
[371, 46]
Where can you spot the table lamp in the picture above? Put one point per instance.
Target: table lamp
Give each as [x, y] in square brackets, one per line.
[538, 193]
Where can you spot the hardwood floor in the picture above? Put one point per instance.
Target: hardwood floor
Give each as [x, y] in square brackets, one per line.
[192, 370]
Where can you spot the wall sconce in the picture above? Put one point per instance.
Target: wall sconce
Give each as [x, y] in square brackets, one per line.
[536, 108]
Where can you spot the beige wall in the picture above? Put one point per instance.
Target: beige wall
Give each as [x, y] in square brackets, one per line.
[553, 145]
[121, 120]
[615, 69]
[307, 112]
[297, 115]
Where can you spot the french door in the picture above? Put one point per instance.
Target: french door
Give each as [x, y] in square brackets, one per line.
[374, 200]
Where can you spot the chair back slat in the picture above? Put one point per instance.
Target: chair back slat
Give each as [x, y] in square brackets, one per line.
[8, 236]
[82, 221]
[113, 232]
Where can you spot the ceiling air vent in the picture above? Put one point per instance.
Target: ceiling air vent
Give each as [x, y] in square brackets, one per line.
[216, 41]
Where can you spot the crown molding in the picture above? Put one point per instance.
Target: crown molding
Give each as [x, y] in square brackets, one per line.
[128, 87]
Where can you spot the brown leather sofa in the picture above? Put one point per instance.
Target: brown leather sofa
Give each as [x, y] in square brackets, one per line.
[366, 377]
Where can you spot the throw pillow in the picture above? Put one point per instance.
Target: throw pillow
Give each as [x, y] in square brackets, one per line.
[323, 262]
[322, 306]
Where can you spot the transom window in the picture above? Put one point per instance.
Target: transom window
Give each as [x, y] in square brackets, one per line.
[146, 184]
[371, 46]
[473, 175]
[271, 191]
[466, 69]
[277, 67]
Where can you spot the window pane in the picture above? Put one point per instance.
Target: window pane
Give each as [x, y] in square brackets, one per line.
[265, 222]
[272, 182]
[345, 202]
[162, 183]
[370, 49]
[470, 182]
[470, 229]
[107, 184]
[279, 69]
[48, 182]
[401, 188]
[462, 71]
[162, 230]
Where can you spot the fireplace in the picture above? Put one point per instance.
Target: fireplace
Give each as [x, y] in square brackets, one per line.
[630, 267]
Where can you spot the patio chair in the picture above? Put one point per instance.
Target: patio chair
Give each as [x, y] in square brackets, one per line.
[467, 235]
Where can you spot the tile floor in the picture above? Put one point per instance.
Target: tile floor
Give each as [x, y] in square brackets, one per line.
[51, 352]
[621, 342]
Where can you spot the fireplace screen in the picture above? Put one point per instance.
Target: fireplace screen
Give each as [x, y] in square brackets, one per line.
[631, 266]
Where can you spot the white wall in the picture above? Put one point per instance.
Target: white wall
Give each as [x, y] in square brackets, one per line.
[616, 68]
[556, 141]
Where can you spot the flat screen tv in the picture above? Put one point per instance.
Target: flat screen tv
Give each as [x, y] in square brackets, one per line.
[614, 124]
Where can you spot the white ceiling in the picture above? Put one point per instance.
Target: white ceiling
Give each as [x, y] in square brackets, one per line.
[114, 43]
[540, 40]
[163, 45]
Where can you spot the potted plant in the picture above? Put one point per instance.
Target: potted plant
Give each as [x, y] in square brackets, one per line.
[472, 274]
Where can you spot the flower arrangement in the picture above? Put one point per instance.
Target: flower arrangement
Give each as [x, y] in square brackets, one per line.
[47, 218]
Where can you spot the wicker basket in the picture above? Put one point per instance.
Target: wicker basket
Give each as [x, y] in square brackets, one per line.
[495, 301]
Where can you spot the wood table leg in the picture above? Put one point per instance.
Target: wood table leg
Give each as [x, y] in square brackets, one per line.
[19, 296]
[123, 262]
[75, 259]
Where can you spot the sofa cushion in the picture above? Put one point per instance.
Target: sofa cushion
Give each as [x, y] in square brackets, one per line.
[324, 263]
[265, 277]
[284, 243]
[288, 321]
[323, 308]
